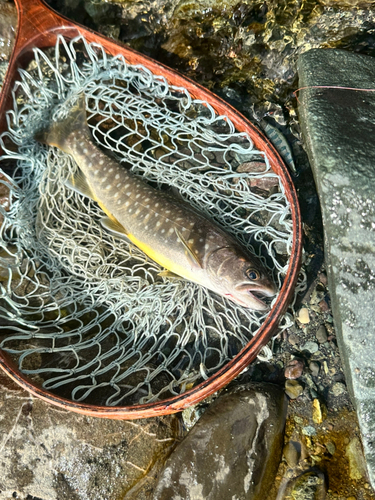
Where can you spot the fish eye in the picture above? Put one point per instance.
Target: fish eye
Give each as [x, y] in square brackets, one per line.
[252, 274]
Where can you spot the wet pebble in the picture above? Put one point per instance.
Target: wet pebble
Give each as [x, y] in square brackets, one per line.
[321, 334]
[292, 453]
[310, 485]
[293, 389]
[293, 339]
[294, 369]
[314, 368]
[309, 430]
[303, 316]
[357, 463]
[310, 347]
[331, 447]
[324, 307]
[338, 388]
[323, 278]
[319, 411]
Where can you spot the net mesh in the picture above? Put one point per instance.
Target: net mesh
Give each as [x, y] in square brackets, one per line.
[86, 315]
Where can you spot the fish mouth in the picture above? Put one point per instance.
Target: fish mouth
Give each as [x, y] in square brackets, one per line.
[251, 300]
[253, 297]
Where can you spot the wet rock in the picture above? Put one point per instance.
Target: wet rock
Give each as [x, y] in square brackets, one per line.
[50, 453]
[232, 452]
[314, 368]
[310, 347]
[321, 334]
[319, 412]
[310, 485]
[331, 447]
[338, 135]
[303, 316]
[293, 389]
[357, 464]
[8, 26]
[294, 369]
[338, 388]
[292, 453]
[309, 430]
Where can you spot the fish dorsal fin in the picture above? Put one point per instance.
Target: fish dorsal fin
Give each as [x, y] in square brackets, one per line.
[115, 228]
[189, 251]
[79, 184]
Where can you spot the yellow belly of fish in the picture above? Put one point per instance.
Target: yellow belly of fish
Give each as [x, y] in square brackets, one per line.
[164, 261]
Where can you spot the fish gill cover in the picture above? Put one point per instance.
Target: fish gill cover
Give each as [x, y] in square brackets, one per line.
[84, 314]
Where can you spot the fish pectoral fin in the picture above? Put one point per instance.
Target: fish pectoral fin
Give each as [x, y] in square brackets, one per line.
[115, 228]
[189, 251]
[79, 184]
[168, 274]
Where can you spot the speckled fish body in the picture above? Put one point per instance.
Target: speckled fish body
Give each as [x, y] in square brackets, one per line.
[164, 227]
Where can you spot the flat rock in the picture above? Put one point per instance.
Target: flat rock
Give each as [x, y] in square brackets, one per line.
[52, 454]
[338, 128]
[232, 452]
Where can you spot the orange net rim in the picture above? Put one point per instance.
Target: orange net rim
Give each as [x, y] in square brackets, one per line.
[39, 26]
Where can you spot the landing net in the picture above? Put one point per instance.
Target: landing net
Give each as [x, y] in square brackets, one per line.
[86, 315]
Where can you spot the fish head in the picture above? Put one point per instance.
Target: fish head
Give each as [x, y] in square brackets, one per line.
[240, 277]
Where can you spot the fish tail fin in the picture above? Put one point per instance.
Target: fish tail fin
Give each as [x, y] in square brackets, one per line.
[58, 133]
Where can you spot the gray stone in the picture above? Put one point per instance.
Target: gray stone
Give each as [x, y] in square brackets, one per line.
[310, 347]
[309, 430]
[338, 127]
[232, 452]
[338, 388]
[53, 454]
[321, 334]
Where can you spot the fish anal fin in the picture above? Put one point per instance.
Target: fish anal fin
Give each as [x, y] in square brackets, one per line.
[79, 184]
[189, 251]
[115, 228]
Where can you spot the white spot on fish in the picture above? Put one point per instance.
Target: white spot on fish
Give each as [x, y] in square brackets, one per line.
[156, 205]
[109, 186]
[146, 227]
[104, 180]
[110, 170]
[117, 176]
[163, 231]
[171, 231]
[206, 246]
[137, 195]
[119, 202]
[96, 172]
[158, 223]
[201, 240]
[85, 150]
[118, 185]
[101, 162]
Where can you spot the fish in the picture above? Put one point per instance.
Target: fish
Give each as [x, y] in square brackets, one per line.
[186, 243]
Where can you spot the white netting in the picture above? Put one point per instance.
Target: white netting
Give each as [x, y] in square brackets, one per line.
[85, 314]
